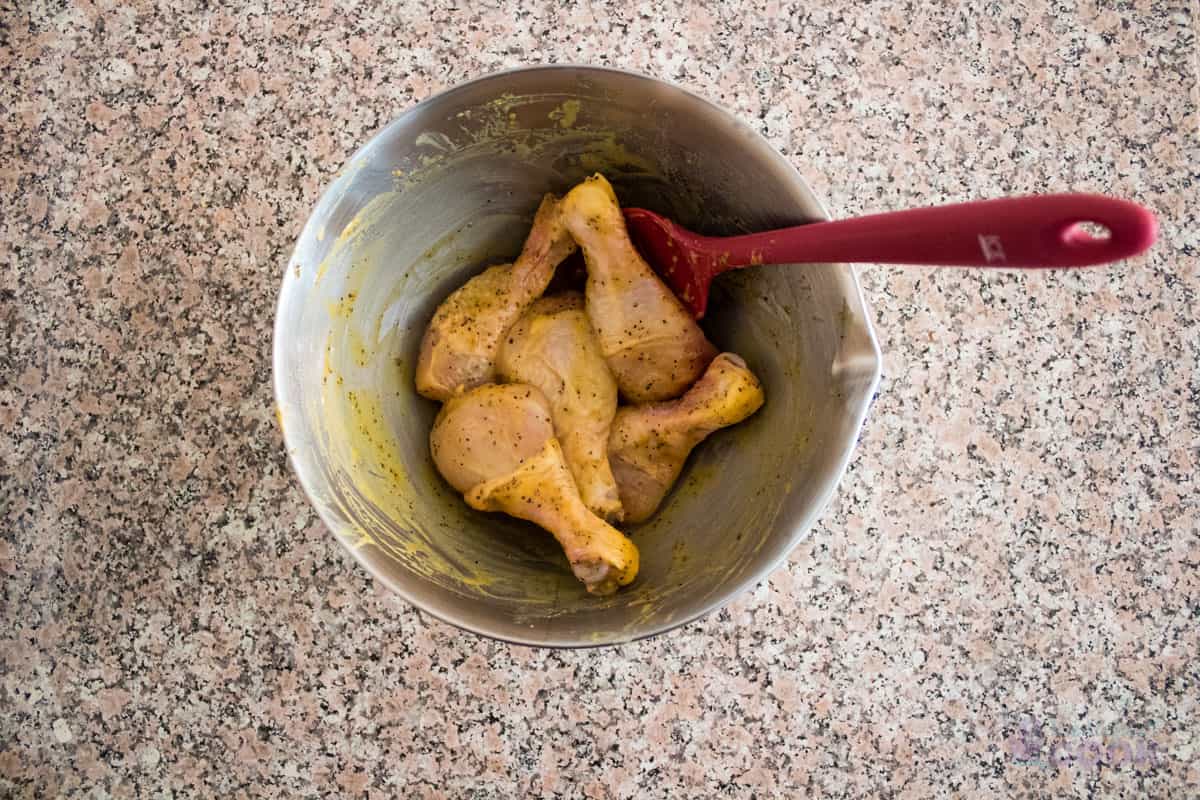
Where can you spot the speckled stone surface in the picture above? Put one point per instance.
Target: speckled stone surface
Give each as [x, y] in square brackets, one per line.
[1000, 600]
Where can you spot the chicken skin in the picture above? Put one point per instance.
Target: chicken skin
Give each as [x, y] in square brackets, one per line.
[649, 444]
[458, 351]
[653, 346]
[554, 348]
[496, 445]
[488, 432]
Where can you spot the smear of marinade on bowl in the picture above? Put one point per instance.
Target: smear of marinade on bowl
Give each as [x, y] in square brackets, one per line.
[574, 412]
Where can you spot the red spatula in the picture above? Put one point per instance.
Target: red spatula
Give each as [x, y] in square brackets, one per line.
[1041, 231]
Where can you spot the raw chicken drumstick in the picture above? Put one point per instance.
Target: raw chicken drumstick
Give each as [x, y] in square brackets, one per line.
[458, 351]
[653, 346]
[649, 444]
[496, 445]
[554, 348]
[488, 432]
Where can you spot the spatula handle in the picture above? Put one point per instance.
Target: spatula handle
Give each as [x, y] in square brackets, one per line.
[1029, 232]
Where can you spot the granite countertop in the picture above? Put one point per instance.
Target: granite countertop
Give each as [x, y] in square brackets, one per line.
[1003, 590]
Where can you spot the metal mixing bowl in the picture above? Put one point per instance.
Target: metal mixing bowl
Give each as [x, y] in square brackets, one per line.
[450, 187]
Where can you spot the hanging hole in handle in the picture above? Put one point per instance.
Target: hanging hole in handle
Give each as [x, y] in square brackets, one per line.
[1086, 232]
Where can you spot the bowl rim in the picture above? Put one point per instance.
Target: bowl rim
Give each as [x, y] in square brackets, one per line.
[800, 530]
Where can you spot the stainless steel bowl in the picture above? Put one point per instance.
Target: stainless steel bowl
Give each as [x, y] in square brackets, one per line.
[451, 186]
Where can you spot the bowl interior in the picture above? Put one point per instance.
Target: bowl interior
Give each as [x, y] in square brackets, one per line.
[451, 187]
